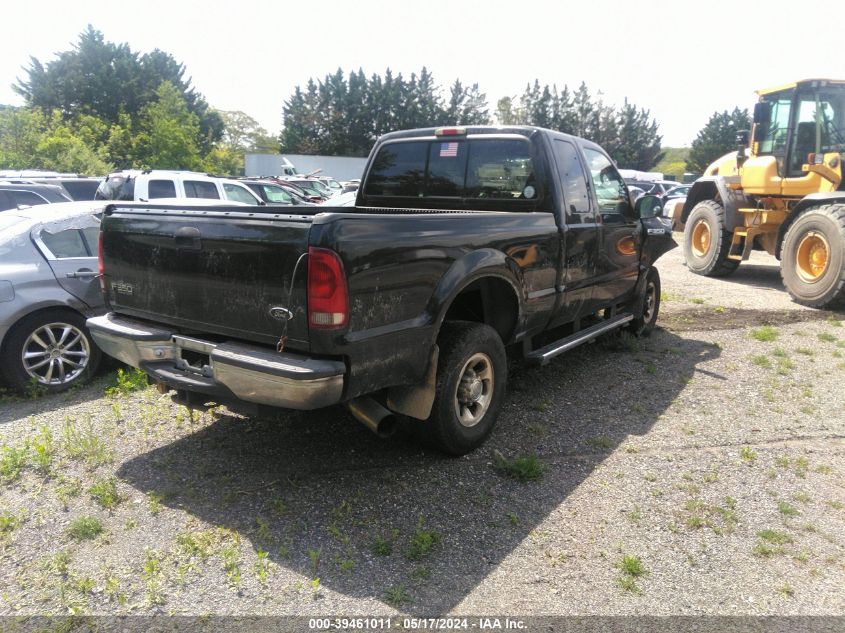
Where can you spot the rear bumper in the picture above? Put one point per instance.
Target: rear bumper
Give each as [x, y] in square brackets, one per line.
[221, 370]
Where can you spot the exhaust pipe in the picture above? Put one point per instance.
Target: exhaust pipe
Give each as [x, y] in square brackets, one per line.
[372, 415]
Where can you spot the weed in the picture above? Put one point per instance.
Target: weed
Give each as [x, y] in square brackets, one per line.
[826, 337]
[697, 300]
[720, 309]
[154, 502]
[152, 572]
[788, 509]
[104, 492]
[628, 584]
[86, 444]
[802, 497]
[421, 543]
[710, 477]
[12, 462]
[314, 556]
[126, 382]
[199, 544]
[787, 590]
[806, 351]
[43, 450]
[631, 567]
[761, 360]
[85, 528]
[748, 454]
[229, 554]
[836, 505]
[779, 352]
[279, 506]
[824, 469]
[262, 565]
[782, 462]
[514, 519]
[112, 590]
[764, 550]
[421, 573]
[601, 442]
[542, 406]
[650, 368]
[381, 546]
[263, 532]
[765, 334]
[9, 523]
[801, 466]
[396, 595]
[775, 537]
[346, 564]
[635, 516]
[525, 468]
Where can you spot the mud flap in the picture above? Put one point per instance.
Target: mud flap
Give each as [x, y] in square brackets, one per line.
[416, 401]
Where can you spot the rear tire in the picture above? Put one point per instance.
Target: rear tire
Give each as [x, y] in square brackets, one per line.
[646, 305]
[50, 350]
[707, 241]
[813, 257]
[471, 381]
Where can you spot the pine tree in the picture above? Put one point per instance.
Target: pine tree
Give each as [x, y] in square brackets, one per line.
[717, 138]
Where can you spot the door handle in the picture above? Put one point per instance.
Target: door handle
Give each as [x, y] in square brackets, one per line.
[82, 274]
[188, 237]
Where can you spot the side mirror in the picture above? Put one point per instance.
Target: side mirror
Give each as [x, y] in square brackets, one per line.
[742, 138]
[648, 206]
[762, 113]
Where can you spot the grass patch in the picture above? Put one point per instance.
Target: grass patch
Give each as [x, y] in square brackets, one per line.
[787, 509]
[601, 442]
[9, 523]
[765, 334]
[127, 381]
[12, 462]
[83, 442]
[396, 595]
[104, 492]
[775, 537]
[524, 468]
[826, 337]
[748, 454]
[421, 543]
[761, 360]
[381, 546]
[85, 528]
[632, 568]
[200, 544]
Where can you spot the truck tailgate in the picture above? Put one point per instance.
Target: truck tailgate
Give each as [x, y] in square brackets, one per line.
[219, 271]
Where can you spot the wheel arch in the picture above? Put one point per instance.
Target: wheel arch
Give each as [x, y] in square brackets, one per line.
[716, 188]
[41, 309]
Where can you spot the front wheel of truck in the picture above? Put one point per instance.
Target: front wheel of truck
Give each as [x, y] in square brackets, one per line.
[471, 381]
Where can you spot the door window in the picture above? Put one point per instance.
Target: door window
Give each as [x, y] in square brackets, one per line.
[26, 198]
[238, 194]
[64, 244]
[773, 136]
[276, 194]
[611, 194]
[201, 189]
[162, 189]
[576, 196]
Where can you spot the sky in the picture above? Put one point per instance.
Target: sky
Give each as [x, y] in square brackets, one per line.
[680, 60]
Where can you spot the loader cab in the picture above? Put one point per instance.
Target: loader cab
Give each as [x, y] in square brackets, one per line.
[796, 125]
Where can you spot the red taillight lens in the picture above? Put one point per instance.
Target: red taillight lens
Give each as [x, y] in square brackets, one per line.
[328, 298]
[100, 267]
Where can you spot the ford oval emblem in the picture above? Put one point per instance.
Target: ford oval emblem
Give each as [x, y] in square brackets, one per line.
[281, 314]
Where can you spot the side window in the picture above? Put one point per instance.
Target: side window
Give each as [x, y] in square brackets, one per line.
[610, 189]
[501, 168]
[200, 189]
[162, 189]
[5, 201]
[63, 244]
[398, 170]
[276, 194]
[238, 194]
[576, 196]
[26, 197]
[92, 237]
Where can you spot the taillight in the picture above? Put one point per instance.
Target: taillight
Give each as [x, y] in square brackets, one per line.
[328, 297]
[100, 267]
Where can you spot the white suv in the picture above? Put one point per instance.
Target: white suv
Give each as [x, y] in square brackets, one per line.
[154, 184]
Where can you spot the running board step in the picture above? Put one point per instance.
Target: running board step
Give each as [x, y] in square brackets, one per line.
[545, 354]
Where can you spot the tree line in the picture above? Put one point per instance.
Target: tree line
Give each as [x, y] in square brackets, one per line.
[101, 106]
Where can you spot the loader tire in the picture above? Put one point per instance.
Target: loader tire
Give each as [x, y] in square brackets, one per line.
[707, 242]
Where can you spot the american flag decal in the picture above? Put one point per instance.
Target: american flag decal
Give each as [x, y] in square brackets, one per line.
[448, 149]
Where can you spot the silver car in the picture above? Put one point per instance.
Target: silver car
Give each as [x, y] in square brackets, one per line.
[48, 287]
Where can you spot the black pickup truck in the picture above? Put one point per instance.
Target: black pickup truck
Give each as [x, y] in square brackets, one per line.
[463, 242]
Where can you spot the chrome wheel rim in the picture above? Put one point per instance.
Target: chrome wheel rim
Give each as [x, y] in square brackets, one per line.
[650, 301]
[475, 390]
[55, 354]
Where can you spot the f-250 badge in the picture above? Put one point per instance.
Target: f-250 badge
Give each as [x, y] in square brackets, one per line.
[121, 287]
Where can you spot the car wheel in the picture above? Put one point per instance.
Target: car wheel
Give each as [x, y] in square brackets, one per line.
[646, 305]
[812, 259]
[471, 381]
[707, 242]
[52, 350]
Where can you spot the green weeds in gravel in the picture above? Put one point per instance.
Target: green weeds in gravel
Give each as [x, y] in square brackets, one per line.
[826, 337]
[262, 565]
[85, 443]
[632, 568]
[748, 455]
[806, 351]
[13, 460]
[314, 556]
[85, 528]
[764, 334]
[229, 554]
[154, 502]
[68, 487]
[396, 595]
[9, 522]
[525, 468]
[602, 442]
[151, 572]
[775, 537]
[421, 543]
[787, 590]
[199, 544]
[382, 546]
[787, 509]
[104, 492]
[43, 450]
[127, 381]
[761, 360]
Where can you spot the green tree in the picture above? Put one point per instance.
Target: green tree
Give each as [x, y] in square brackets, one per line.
[167, 132]
[20, 131]
[716, 138]
[243, 133]
[105, 80]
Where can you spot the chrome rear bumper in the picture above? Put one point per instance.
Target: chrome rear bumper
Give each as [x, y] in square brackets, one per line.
[247, 372]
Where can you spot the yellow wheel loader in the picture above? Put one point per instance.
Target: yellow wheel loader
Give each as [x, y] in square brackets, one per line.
[785, 195]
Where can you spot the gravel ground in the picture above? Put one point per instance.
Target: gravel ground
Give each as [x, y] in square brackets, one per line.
[698, 471]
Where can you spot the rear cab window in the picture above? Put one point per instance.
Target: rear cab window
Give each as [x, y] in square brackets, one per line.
[499, 173]
[201, 189]
[162, 189]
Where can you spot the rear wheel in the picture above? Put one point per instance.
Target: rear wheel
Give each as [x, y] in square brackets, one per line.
[707, 241]
[51, 350]
[471, 379]
[813, 257]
